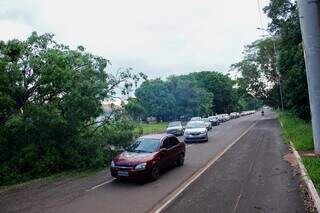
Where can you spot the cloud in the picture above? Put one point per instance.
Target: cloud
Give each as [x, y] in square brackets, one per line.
[159, 38]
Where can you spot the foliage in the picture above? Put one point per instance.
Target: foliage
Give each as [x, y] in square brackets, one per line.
[184, 96]
[50, 97]
[264, 68]
[168, 100]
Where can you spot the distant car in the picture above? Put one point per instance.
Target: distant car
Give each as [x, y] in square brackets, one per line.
[147, 156]
[214, 120]
[196, 131]
[175, 128]
[234, 115]
[226, 117]
[221, 118]
[195, 119]
[208, 123]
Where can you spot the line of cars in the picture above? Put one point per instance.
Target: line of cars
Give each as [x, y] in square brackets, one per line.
[150, 154]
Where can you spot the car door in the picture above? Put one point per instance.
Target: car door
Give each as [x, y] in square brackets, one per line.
[165, 153]
[173, 150]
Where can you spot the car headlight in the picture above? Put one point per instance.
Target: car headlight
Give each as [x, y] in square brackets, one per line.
[112, 164]
[203, 132]
[141, 166]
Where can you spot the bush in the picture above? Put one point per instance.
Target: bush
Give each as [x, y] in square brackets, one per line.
[50, 97]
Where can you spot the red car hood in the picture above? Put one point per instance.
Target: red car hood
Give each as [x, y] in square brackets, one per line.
[133, 158]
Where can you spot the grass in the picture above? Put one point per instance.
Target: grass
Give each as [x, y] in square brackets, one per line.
[296, 130]
[153, 128]
[313, 167]
[299, 132]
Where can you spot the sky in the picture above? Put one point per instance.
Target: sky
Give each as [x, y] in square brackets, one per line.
[158, 38]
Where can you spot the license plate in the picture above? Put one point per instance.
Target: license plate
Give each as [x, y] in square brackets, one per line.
[123, 173]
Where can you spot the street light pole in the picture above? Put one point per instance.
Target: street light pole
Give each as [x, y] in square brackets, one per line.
[276, 61]
[309, 14]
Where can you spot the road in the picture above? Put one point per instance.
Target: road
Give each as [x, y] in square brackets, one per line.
[101, 193]
[257, 178]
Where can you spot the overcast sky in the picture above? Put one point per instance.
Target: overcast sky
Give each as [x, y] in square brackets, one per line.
[159, 38]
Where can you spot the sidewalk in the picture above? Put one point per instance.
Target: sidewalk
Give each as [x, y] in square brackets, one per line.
[250, 177]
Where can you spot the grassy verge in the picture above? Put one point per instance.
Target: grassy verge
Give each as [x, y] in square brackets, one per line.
[313, 167]
[300, 133]
[296, 130]
[153, 128]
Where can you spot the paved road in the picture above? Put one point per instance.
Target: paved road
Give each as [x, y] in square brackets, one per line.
[100, 193]
[250, 177]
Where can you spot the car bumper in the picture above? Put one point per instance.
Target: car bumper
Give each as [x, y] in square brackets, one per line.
[132, 174]
[176, 132]
[196, 138]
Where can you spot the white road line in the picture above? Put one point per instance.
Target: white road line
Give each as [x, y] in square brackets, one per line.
[99, 185]
[172, 196]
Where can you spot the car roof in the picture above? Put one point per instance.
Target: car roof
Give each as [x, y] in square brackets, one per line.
[196, 122]
[157, 136]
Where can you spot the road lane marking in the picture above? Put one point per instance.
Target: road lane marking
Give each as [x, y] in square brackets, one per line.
[173, 195]
[101, 184]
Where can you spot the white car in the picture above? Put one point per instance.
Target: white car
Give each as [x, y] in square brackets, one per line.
[196, 131]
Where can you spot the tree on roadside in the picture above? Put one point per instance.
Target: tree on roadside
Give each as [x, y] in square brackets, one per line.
[50, 97]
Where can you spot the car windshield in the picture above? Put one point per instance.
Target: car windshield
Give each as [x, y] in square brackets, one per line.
[206, 119]
[145, 145]
[172, 124]
[192, 125]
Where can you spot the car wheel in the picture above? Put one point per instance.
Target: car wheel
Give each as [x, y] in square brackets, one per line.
[180, 160]
[155, 173]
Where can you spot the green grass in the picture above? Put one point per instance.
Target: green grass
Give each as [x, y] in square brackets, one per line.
[299, 132]
[153, 128]
[296, 130]
[313, 167]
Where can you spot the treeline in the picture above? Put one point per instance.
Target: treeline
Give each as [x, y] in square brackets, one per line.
[264, 69]
[196, 94]
[50, 97]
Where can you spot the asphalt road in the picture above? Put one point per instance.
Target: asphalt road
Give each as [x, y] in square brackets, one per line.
[250, 177]
[101, 193]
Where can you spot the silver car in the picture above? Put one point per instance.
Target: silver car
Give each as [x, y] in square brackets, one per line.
[208, 123]
[196, 131]
[175, 128]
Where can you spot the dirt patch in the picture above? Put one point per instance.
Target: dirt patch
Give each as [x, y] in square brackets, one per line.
[289, 157]
[308, 202]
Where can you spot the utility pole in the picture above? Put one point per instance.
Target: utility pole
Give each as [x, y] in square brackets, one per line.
[309, 14]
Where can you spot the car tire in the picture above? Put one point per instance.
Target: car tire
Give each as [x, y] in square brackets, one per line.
[155, 173]
[180, 160]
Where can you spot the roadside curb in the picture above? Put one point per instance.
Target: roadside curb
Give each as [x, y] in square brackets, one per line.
[306, 178]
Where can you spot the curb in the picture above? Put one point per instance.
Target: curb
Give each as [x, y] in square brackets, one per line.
[311, 189]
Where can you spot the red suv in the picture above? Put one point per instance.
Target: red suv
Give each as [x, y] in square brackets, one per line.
[147, 156]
